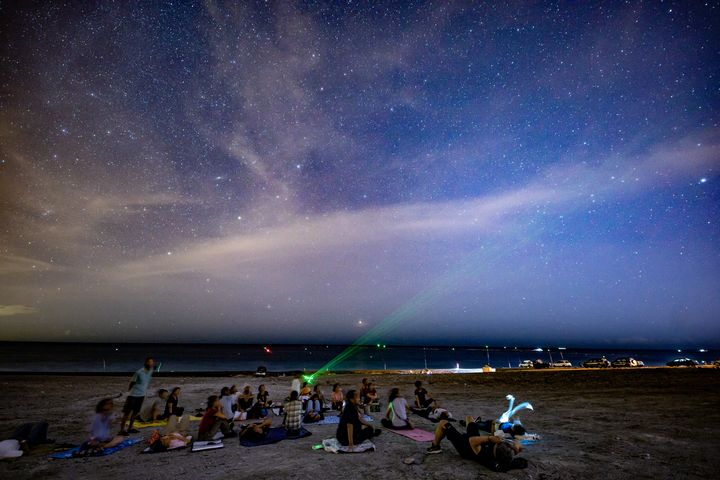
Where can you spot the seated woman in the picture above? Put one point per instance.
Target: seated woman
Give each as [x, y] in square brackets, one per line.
[336, 398]
[256, 431]
[423, 399]
[396, 416]
[171, 406]
[490, 451]
[353, 430]
[214, 423]
[246, 399]
[317, 391]
[263, 397]
[100, 436]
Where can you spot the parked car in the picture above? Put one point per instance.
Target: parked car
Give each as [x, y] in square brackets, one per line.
[640, 363]
[624, 362]
[562, 364]
[716, 363]
[261, 371]
[540, 364]
[526, 364]
[682, 362]
[601, 362]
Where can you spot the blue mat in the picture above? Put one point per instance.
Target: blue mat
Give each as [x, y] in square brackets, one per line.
[108, 451]
[274, 435]
[335, 419]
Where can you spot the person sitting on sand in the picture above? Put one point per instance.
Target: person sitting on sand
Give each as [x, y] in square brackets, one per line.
[423, 399]
[227, 406]
[320, 397]
[371, 395]
[155, 411]
[353, 430]
[293, 414]
[296, 384]
[313, 409]
[214, 423]
[171, 406]
[490, 451]
[256, 431]
[133, 403]
[396, 416]
[100, 436]
[336, 397]
[263, 397]
[246, 399]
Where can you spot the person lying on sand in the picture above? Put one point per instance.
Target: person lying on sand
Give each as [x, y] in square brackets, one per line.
[353, 429]
[214, 423]
[256, 431]
[488, 450]
[396, 416]
[100, 436]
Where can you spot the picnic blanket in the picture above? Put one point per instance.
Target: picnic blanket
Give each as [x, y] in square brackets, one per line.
[274, 435]
[332, 445]
[335, 419]
[161, 423]
[415, 434]
[108, 451]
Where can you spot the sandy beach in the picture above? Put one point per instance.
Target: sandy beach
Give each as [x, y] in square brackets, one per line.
[650, 423]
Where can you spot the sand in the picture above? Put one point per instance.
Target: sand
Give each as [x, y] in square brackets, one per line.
[653, 423]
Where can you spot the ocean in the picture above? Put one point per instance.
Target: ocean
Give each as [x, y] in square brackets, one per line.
[124, 358]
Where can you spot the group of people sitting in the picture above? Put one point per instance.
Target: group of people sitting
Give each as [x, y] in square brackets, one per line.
[306, 405]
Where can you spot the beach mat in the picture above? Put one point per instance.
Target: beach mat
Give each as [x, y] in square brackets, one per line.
[274, 435]
[332, 445]
[161, 423]
[108, 451]
[415, 434]
[335, 420]
[207, 445]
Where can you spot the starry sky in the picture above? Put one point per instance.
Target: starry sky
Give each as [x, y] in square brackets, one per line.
[520, 172]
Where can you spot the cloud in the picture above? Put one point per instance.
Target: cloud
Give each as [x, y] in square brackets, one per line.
[10, 310]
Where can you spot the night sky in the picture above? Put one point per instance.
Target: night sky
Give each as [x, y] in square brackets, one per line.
[526, 173]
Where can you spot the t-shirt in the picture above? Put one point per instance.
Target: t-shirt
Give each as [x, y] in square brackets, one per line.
[207, 421]
[293, 414]
[171, 407]
[262, 397]
[398, 407]
[226, 404]
[421, 394]
[349, 416]
[295, 385]
[146, 412]
[141, 378]
[100, 427]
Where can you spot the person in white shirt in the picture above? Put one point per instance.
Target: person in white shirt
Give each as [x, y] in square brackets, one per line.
[396, 416]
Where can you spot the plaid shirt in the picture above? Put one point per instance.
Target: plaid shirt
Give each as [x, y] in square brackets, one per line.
[293, 415]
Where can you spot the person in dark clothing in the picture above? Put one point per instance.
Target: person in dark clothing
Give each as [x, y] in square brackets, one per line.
[488, 450]
[423, 399]
[171, 406]
[353, 429]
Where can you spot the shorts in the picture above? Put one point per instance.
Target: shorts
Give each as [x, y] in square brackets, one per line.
[133, 404]
[461, 441]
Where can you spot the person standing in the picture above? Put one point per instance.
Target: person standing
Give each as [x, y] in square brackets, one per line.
[133, 403]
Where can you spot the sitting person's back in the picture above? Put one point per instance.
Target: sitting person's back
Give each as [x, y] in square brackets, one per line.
[396, 417]
[293, 413]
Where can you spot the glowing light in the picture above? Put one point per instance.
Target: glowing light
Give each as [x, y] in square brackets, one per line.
[703, 180]
[267, 350]
[511, 411]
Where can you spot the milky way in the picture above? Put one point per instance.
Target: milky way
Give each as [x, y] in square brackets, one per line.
[543, 173]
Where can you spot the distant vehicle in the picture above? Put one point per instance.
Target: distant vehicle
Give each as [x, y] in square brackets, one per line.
[624, 362]
[526, 364]
[640, 363]
[601, 362]
[562, 364]
[540, 364]
[682, 362]
[261, 371]
[716, 363]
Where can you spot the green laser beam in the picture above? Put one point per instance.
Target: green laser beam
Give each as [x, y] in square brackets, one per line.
[471, 264]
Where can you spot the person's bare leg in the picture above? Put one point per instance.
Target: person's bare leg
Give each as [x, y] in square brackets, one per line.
[132, 421]
[184, 424]
[117, 440]
[124, 421]
[439, 432]
[172, 425]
